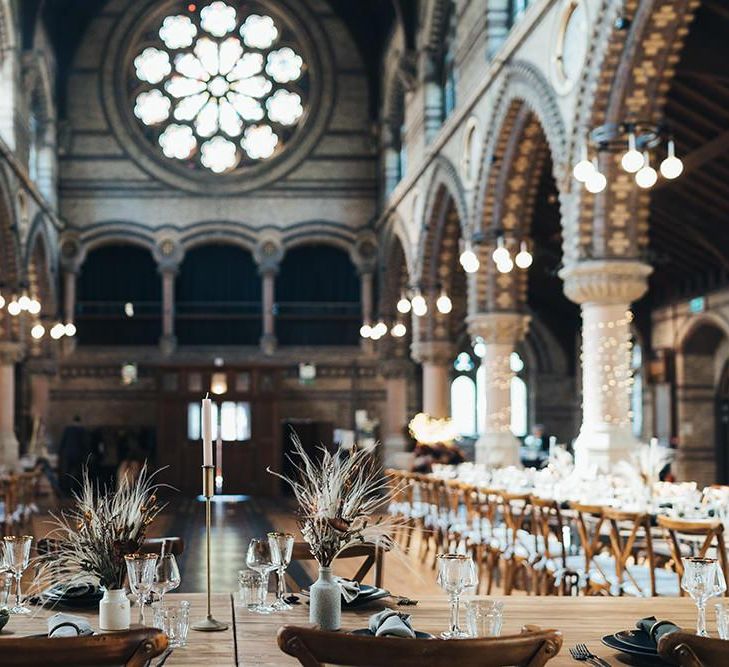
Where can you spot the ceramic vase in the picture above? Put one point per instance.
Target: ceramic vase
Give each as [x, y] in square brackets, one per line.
[115, 610]
[325, 601]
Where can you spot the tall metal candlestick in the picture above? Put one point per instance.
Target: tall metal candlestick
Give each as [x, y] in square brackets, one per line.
[209, 624]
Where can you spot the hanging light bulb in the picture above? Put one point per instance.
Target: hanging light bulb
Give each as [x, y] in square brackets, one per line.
[596, 182]
[24, 302]
[57, 331]
[479, 348]
[399, 330]
[505, 266]
[14, 308]
[403, 305]
[34, 307]
[647, 176]
[672, 166]
[469, 260]
[501, 254]
[37, 331]
[2, 301]
[584, 167]
[365, 331]
[380, 329]
[69, 329]
[444, 303]
[420, 307]
[632, 160]
[523, 258]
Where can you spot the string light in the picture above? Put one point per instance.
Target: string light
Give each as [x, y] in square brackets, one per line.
[69, 329]
[34, 307]
[584, 167]
[671, 167]
[2, 301]
[365, 330]
[444, 303]
[57, 331]
[523, 258]
[596, 182]
[398, 330]
[505, 266]
[646, 176]
[468, 259]
[501, 253]
[403, 305]
[420, 307]
[14, 308]
[632, 160]
[38, 331]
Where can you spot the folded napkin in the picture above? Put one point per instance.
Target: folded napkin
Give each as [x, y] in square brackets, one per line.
[391, 623]
[350, 589]
[66, 625]
[656, 629]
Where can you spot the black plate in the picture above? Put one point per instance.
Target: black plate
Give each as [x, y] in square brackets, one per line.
[366, 632]
[366, 595]
[638, 639]
[638, 656]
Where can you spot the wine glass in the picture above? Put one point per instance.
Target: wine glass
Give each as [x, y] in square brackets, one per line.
[166, 575]
[141, 571]
[282, 546]
[456, 572]
[260, 559]
[17, 555]
[702, 579]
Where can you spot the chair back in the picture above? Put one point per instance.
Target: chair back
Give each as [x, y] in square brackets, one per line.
[314, 648]
[680, 531]
[548, 530]
[590, 520]
[689, 650]
[374, 559]
[625, 530]
[134, 648]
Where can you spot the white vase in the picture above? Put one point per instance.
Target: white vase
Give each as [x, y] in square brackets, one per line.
[325, 601]
[115, 610]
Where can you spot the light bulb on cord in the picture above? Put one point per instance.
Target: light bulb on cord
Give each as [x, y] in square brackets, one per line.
[444, 303]
[420, 307]
[34, 307]
[469, 260]
[523, 258]
[365, 330]
[2, 301]
[505, 266]
[380, 329]
[398, 330]
[632, 160]
[584, 167]
[375, 335]
[403, 305]
[57, 330]
[647, 176]
[14, 308]
[596, 181]
[672, 166]
[501, 254]
[24, 302]
[37, 331]
[69, 329]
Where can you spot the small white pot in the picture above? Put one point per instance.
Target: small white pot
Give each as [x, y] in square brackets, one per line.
[115, 610]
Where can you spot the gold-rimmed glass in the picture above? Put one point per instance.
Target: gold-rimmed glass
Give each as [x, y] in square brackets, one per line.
[141, 569]
[456, 572]
[282, 547]
[16, 557]
[702, 580]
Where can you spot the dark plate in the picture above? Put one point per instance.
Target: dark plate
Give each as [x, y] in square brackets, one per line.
[638, 656]
[366, 632]
[638, 639]
[366, 595]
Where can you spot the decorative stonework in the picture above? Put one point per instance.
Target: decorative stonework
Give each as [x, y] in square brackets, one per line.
[499, 328]
[268, 254]
[396, 368]
[606, 281]
[11, 353]
[432, 352]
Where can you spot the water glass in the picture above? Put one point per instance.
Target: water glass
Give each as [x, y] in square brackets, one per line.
[250, 590]
[6, 583]
[141, 569]
[17, 556]
[484, 618]
[456, 572]
[282, 546]
[702, 580]
[173, 620]
[260, 559]
[722, 620]
[166, 576]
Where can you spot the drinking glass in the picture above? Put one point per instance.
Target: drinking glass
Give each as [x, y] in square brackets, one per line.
[173, 620]
[260, 559]
[702, 580]
[484, 618]
[456, 572]
[17, 555]
[140, 571]
[250, 589]
[722, 620]
[166, 576]
[282, 546]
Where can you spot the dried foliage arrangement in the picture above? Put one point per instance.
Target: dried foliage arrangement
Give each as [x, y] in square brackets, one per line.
[91, 539]
[338, 494]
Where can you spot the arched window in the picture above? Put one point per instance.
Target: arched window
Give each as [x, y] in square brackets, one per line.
[636, 394]
[519, 398]
[463, 405]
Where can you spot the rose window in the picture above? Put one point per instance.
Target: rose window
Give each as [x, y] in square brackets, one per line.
[221, 87]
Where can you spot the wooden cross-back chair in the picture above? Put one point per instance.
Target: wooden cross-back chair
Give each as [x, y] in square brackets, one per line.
[134, 648]
[516, 550]
[590, 520]
[710, 542]
[689, 650]
[315, 648]
[401, 487]
[374, 559]
[487, 545]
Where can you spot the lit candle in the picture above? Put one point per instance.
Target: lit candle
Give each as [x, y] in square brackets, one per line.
[207, 431]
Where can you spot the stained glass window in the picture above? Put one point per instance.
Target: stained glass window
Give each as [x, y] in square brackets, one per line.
[220, 87]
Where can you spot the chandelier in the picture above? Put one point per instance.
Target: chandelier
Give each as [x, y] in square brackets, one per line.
[637, 140]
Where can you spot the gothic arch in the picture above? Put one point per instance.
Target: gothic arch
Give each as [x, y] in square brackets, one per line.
[40, 266]
[693, 324]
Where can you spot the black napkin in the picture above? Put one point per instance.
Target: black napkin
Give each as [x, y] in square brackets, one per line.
[656, 629]
[390, 623]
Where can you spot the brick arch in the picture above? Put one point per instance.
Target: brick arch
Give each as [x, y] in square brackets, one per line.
[627, 76]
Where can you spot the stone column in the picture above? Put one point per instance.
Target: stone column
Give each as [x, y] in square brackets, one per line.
[69, 306]
[605, 289]
[501, 332]
[41, 371]
[168, 340]
[10, 354]
[268, 299]
[397, 373]
[436, 358]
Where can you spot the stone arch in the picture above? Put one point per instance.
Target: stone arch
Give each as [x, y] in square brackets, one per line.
[393, 273]
[311, 232]
[41, 264]
[117, 232]
[218, 232]
[687, 330]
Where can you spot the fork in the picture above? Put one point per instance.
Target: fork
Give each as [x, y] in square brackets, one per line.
[582, 654]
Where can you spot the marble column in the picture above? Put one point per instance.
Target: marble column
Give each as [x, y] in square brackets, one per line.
[397, 374]
[436, 358]
[605, 290]
[168, 340]
[41, 371]
[501, 333]
[10, 354]
[268, 299]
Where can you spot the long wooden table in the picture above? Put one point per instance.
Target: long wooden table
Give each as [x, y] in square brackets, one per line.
[582, 620]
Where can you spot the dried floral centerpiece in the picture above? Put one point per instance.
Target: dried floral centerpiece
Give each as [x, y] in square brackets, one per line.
[89, 541]
[338, 495]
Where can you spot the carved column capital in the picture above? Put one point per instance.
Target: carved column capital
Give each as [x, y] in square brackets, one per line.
[505, 328]
[607, 281]
[268, 255]
[168, 254]
[395, 368]
[10, 353]
[439, 352]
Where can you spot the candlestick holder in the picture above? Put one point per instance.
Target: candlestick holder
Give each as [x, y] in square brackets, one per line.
[209, 624]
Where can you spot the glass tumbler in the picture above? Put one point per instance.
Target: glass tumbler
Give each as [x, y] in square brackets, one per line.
[251, 593]
[484, 618]
[722, 619]
[173, 620]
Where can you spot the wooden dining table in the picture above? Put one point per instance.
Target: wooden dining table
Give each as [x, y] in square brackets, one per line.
[251, 638]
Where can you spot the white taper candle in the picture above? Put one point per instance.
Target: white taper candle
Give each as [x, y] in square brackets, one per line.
[207, 431]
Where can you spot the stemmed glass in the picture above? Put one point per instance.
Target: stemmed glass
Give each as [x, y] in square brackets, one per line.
[140, 571]
[282, 546]
[456, 572]
[260, 559]
[166, 575]
[702, 580]
[17, 555]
